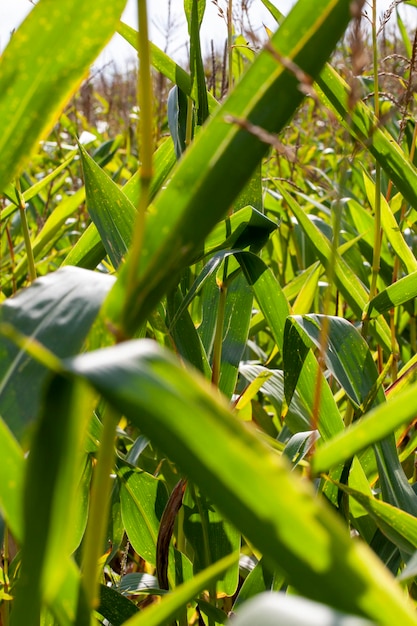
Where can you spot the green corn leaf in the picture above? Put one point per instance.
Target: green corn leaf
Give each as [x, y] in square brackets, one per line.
[194, 10]
[89, 249]
[275, 308]
[346, 354]
[171, 606]
[363, 126]
[391, 229]
[204, 526]
[349, 360]
[177, 118]
[276, 14]
[196, 198]
[239, 302]
[245, 227]
[37, 80]
[396, 294]
[164, 64]
[376, 425]
[347, 281]
[50, 497]
[185, 335]
[252, 487]
[298, 417]
[258, 580]
[143, 499]
[115, 607]
[11, 481]
[398, 526]
[57, 311]
[51, 230]
[110, 209]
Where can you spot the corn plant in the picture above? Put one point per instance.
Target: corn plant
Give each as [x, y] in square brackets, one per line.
[207, 346]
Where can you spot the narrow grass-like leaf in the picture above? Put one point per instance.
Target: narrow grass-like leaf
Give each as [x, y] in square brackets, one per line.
[347, 281]
[89, 249]
[170, 607]
[399, 526]
[110, 209]
[362, 124]
[254, 488]
[44, 63]
[51, 229]
[377, 424]
[391, 229]
[194, 11]
[396, 294]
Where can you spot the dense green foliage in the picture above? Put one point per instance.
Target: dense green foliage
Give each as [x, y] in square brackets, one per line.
[207, 340]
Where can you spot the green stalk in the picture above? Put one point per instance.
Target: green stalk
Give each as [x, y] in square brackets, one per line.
[5, 606]
[145, 141]
[324, 332]
[230, 44]
[206, 546]
[26, 234]
[218, 337]
[377, 238]
[189, 122]
[99, 507]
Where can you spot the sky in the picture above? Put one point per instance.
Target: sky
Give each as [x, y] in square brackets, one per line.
[12, 12]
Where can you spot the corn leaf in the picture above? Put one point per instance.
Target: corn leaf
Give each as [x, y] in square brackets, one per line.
[396, 294]
[195, 198]
[253, 487]
[109, 208]
[373, 427]
[363, 126]
[37, 80]
[57, 311]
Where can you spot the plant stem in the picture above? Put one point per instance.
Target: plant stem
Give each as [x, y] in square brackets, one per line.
[206, 544]
[324, 332]
[230, 44]
[5, 606]
[99, 506]
[377, 224]
[218, 337]
[189, 122]
[145, 144]
[377, 227]
[26, 234]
